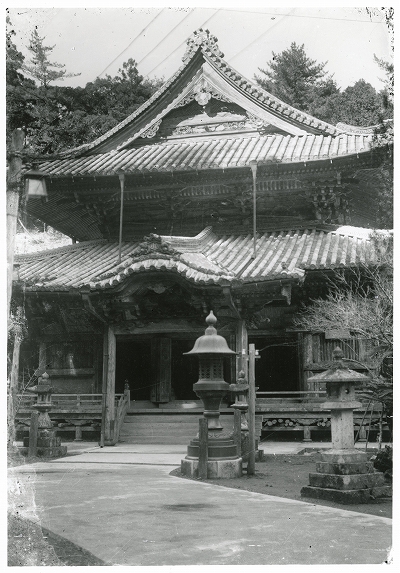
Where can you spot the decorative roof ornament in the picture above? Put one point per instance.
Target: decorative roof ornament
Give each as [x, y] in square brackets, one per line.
[154, 245]
[151, 132]
[201, 38]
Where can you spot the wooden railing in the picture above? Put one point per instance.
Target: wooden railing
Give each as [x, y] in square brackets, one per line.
[67, 401]
[122, 408]
[302, 410]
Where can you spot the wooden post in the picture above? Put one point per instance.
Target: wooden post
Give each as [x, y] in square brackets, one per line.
[203, 448]
[13, 189]
[307, 434]
[13, 382]
[252, 409]
[110, 394]
[161, 370]
[33, 433]
[237, 431]
[104, 387]
[241, 347]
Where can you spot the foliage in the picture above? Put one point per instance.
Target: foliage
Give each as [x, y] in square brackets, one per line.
[297, 80]
[40, 67]
[383, 461]
[303, 83]
[360, 105]
[383, 147]
[19, 90]
[57, 117]
[361, 301]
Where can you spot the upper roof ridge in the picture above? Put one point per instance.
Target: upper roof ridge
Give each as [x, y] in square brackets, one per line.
[199, 39]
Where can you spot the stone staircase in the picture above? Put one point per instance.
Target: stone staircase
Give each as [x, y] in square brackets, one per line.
[173, 423]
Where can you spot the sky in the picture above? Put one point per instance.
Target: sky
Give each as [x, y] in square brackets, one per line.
[95, 41]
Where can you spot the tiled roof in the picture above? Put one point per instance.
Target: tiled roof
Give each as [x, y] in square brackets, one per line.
[253, 91]
[204, 153]
[204, 259]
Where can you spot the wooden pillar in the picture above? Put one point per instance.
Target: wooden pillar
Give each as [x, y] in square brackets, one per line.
[203, 448]
[161, 370]
[242, 343]
[108, 409]
[33, 433]
[42, 356]
[307, 358]
[13, 381]
[13, 188]
[252, 410]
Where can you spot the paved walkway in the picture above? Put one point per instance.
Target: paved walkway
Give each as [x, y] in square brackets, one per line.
[121, 504]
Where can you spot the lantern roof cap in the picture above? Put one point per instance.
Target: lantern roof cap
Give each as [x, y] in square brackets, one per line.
[338, 371]
[211, 342]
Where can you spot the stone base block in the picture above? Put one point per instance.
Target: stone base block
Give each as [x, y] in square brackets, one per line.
[45, 442]
[223, 469]
[346, 497]
[343, 456]
[345, 469]
[56, 452]
[346, 481]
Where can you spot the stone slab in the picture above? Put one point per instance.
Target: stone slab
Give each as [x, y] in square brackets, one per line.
[216, 469]
[346, 497]
[345, 469]
[347, 482]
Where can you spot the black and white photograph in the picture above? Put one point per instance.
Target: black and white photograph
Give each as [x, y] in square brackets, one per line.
[199, 239]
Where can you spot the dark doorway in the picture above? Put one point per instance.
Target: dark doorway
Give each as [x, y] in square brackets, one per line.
[277, 368]
[133, 363]
[184, 370]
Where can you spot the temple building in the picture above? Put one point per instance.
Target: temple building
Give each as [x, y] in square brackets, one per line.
[213, 195]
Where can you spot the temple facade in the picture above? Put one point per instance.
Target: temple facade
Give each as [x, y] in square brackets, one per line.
[213, 195]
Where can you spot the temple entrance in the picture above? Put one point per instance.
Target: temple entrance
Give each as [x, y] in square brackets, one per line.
[277, 369]
[133, 364]
[184, 371]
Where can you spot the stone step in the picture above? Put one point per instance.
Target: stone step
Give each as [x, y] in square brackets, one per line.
[170, 440]
[166, 428]
[138, 419]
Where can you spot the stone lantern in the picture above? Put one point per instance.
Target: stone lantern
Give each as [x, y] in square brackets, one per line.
[223, 461]
[344, 473]
[48, 444]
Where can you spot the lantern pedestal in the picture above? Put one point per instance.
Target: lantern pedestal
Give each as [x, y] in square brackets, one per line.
[346, 476]
[343, 474]
[223, 461]
[222, 458]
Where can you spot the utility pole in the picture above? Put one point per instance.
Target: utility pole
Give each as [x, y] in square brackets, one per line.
[13, 192]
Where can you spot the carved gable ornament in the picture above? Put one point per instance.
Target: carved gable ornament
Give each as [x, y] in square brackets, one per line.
[201, 38]
[154, 246]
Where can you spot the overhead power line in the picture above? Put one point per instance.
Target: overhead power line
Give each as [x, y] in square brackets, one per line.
[301, 16]
[181, 45]
[132, 41]
[261, 35]
[165, 37]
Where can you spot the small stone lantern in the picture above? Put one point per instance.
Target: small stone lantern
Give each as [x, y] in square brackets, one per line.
[223, 461]
[48, 444]
[43, 390]
[344, 473]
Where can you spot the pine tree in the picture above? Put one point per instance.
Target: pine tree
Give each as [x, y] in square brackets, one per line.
[40, 67]
[296, 79]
